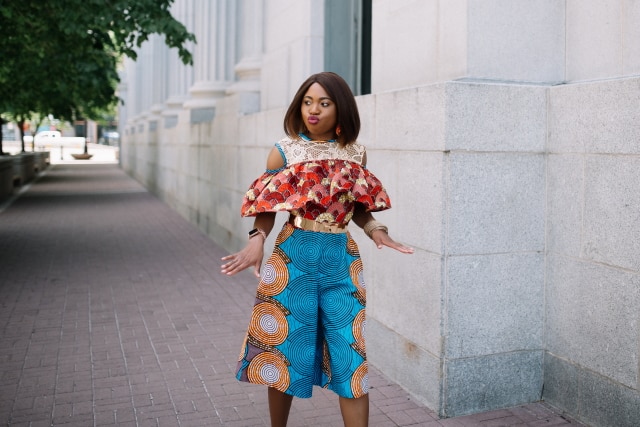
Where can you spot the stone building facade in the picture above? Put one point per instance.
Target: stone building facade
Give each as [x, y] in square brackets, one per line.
[507, 133]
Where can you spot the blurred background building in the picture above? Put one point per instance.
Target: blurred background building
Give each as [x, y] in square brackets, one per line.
[507, 134]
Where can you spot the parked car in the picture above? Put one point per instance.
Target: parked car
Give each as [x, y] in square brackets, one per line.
[55, 138]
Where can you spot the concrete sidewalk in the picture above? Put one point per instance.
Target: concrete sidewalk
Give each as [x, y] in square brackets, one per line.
[113, 312]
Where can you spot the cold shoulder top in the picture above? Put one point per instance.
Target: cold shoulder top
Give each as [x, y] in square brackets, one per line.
[321, 181]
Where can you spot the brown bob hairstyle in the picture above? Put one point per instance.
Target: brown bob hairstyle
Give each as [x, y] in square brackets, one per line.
[338, 90]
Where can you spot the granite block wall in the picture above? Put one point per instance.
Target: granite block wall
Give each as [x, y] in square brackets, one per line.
[494, 256]
[517, 40]
[592, 327]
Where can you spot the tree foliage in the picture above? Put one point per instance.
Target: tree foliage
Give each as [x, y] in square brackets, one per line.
[60, 57]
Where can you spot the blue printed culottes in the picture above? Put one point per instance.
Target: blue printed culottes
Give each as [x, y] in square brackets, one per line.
[308, 323]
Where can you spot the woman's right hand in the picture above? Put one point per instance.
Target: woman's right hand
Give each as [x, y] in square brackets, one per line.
[251, 255]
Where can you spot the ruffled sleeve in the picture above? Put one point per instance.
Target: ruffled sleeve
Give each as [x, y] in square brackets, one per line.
[268, 193]
[326, 188]
[370, 192]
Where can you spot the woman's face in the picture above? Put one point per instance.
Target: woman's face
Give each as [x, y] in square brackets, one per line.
[319, 113]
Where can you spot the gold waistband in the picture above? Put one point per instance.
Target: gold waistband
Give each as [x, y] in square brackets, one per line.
[311, 225]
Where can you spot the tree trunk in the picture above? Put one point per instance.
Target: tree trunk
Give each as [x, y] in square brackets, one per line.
[86, 131]
[1, 123]
[35, 132]
[20, 123]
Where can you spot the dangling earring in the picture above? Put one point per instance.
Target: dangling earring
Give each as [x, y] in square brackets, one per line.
[338, 130]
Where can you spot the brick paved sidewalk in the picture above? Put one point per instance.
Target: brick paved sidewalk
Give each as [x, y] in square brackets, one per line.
[113, 313]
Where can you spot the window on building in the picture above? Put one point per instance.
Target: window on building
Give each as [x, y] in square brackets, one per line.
[347, 35]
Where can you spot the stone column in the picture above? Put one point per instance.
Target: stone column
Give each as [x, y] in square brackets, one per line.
[158, 80]
[249, 40]
[180, 76]
[213, 56]
[146, 66]
[480, 291]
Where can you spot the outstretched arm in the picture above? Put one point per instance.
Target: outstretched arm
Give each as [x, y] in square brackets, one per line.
[379, 235]
[251, 255]
[253, 252]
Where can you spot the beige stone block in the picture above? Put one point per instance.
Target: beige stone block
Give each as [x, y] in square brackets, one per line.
[594, 39]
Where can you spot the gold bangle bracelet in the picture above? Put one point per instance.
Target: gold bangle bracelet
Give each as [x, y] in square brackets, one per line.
[372, 226]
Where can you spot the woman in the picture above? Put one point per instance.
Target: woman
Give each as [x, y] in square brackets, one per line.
[307, 325]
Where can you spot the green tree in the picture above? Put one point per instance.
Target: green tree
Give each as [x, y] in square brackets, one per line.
[60, 57]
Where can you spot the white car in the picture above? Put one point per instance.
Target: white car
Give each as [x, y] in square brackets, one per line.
[48, 137]
[54, 137]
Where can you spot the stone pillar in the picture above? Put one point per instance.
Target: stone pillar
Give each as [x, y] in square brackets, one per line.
[157, 75]
[144, 80]
[180, 76]
[482, 292]
[213, 57]
[250, 46]
[528, 278]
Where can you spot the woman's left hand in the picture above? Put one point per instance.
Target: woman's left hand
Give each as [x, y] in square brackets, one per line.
[381, 238]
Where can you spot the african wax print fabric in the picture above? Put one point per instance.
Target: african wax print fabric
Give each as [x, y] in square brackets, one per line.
[321, 181]
[308, 322]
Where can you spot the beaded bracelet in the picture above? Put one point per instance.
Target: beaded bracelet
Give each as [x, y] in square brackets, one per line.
[257, 231]
[372, 226]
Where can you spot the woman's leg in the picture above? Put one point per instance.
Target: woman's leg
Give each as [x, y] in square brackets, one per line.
[355, 412]
[279, 406]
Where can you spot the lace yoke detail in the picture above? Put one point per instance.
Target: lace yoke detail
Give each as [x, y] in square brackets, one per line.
[300, 151]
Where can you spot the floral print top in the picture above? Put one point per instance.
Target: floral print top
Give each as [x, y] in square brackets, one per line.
[319, 180]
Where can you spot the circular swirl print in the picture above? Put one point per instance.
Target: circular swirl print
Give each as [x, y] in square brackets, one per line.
[337, 307]
[274, 276]
[355, 271]
[268, 369]
[340, 358]
[352, 247]
[360, 381]
[359, 328]
[268, 324]
[333, 260]
[284, 234]
[302, 350]
[303, 301]
[303, 250]
[301, 388]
